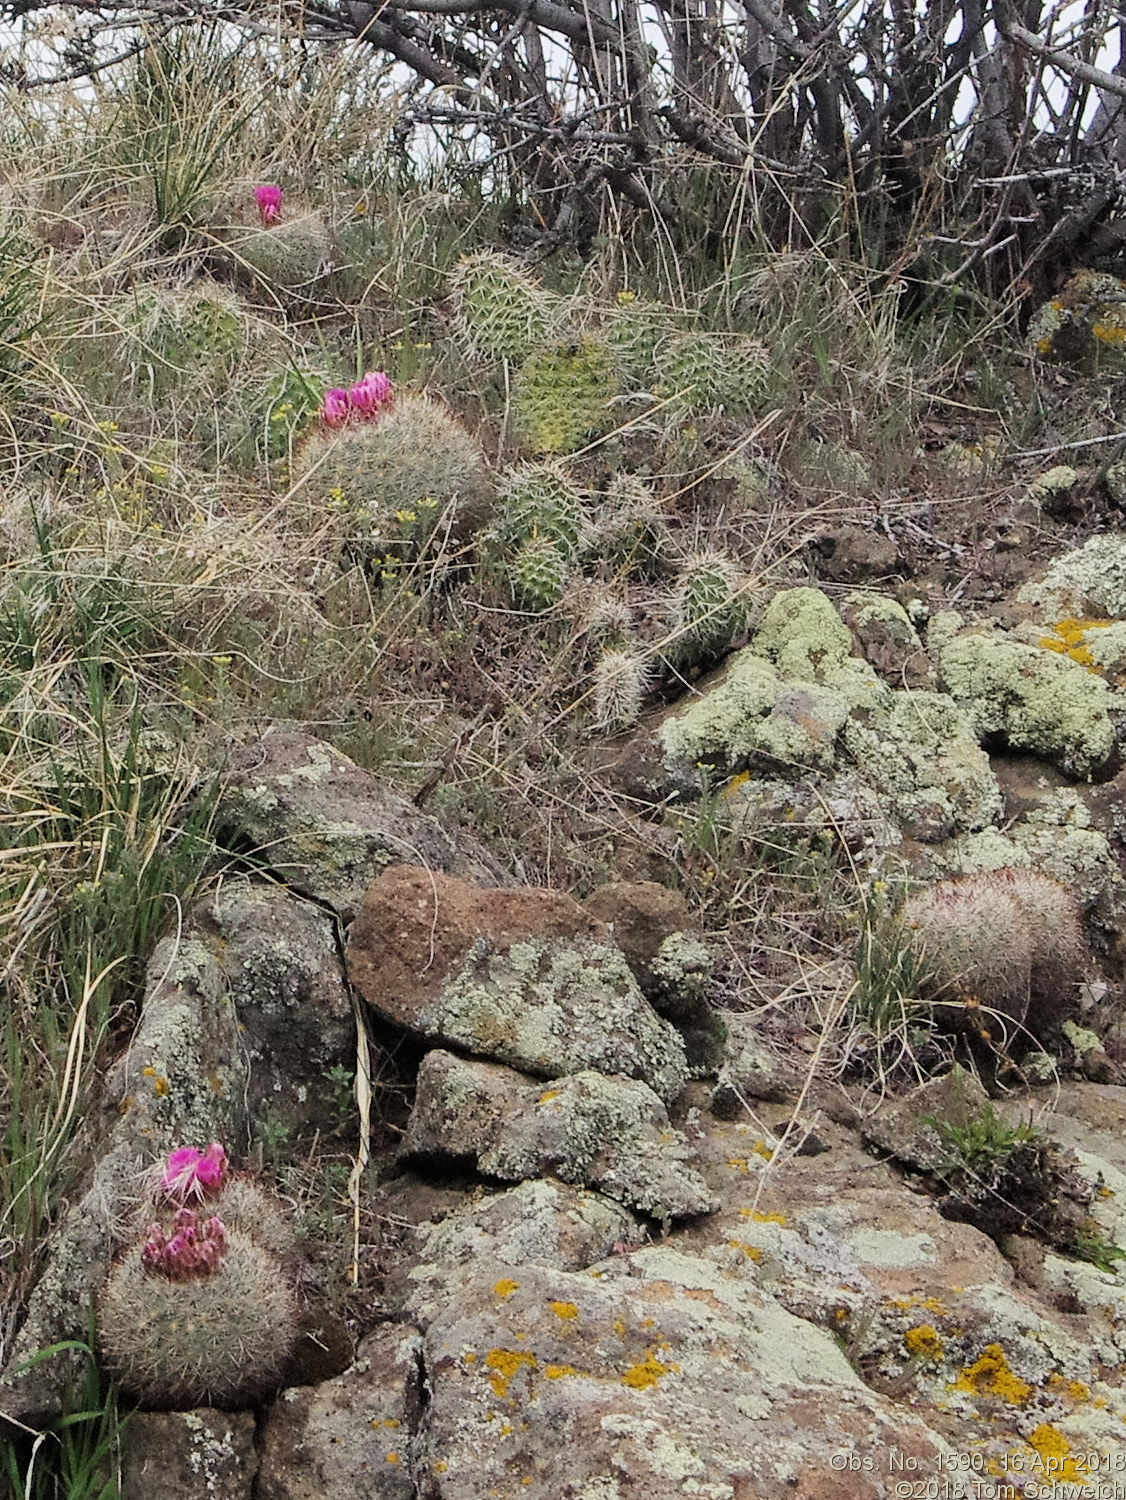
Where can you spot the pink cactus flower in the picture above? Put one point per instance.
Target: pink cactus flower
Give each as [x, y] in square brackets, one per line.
[269, 198]
[193, 1251]
[335, 408]
[192, 1173]
[371, 395]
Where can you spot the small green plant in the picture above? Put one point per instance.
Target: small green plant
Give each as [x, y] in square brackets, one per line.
[980, 1144]
[1092, 1245]
[78, 1456]
[888, 970]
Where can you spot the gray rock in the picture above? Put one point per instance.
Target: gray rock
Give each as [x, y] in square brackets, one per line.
[329, 828]
[279, 957]
[189, 1455]
[348, 1438]
[657, 1374]
[751, 1070]
[608, 1133]
[904, 1129]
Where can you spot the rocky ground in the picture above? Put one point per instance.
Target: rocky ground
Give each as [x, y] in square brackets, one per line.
[619, 1223]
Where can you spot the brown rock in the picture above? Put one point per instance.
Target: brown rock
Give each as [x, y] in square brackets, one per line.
[640, 914]
[189, 1455]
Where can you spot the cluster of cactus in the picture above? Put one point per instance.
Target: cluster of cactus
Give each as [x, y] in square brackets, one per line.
[692, 369]
[567, 379]
[501, 312]
[1008, 943]
[402, 477]
[563, 394]
[201, 1311]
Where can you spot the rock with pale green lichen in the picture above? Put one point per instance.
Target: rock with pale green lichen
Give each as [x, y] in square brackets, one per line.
[1090, 581]
[1052, 487]
[1084, 324]
[586, 1128]
[802, 635]
[1035, 700]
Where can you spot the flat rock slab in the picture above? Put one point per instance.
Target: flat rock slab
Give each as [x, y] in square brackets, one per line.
[348, 1438]
[189, 1455]
[655, 1374]
[329, 828]
[522, 976]
[610, 1133]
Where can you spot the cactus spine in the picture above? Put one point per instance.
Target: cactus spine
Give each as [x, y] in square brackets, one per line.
[502, 313]
[621, 680]
[538, 571]
[709, 610]
[563, 395]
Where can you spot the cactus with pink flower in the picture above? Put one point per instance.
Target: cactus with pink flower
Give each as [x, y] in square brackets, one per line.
[365, 401]
[200, 1309]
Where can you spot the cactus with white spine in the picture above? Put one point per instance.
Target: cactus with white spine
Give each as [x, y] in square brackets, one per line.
[502, 313]
[540, 500]
[708, 370]
[621, 681]
[710, 610]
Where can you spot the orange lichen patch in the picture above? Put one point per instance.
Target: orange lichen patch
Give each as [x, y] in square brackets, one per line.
[391, 1422]
[752, 1252]
[559, 1372]
[645, 1374]
[1109, 333]
[739, 1164]
[735, 783]
[1068, 640]
[760, 1148]
[550, 1094]
[565, 1310]
[619, 1328]
[505, 1287]
[470, 1356]
[441, 1466]
[989, 1375]
[506, 1363]
[1074, 1390]
[392, 1458]
[923, 1342]
[1053, 1449]
[760, 1218]
[701, 1294]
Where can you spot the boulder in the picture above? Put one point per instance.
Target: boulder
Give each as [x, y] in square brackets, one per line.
[189, 1455]
[607, 1133]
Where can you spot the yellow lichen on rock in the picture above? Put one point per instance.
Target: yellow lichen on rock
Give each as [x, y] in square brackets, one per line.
[990, 1375]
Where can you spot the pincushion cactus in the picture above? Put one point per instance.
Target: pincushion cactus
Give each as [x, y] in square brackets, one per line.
[1009, 939]
[621, 680]
[200, 1311]
[401, 476]
[538, 570]
[539, 500]
[629, 534]
[289, 255]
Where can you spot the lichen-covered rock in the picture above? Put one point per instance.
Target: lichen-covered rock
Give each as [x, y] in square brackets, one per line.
[348, 1438]
[888, 639]
[639, 915]
[752, 1069]
[522, 976]
[1088, 583]
[330, 828]
[844, 806]
[1084, 324]
[541, 1222]
[1035, 700]
[189, 1455]
[608, 1133]
[659, 1375]
[802, 635]
[920, 752]
[279, 958]
[1052, 489]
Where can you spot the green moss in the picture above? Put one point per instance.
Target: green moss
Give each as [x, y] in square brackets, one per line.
[1037, 700]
